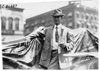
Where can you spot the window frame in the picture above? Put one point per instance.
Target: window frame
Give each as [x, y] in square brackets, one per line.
[10, 24]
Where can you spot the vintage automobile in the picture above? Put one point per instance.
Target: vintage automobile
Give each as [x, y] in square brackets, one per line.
[25, 53]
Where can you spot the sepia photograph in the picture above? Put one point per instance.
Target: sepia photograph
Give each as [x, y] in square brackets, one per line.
[55, 35]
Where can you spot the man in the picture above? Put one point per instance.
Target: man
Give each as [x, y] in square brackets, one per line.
[57, 41]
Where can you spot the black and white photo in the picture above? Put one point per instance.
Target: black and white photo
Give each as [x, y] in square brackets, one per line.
[57, 35]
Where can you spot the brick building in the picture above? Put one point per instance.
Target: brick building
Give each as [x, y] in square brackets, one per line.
[76, 16]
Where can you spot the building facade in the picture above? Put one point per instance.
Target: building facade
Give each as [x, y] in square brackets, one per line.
[76, 16]
[11, 21]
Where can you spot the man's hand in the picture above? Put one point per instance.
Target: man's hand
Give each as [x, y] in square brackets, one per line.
[62, 45]
[68, 46]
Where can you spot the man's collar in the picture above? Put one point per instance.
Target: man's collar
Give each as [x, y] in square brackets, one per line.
[59, 26]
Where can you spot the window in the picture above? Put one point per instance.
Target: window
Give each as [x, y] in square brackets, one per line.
[16, 23]
[35, 28]
[96, 26]
[87, 16]
[70, 16]
[83, 24]
[70, 24]
[3, 22]
[10, 21]
[36, 22]
[77, 14]
[92, 25]
[88, 25]
[96, 18]
[92, 18]
[79, 24]
[43, 22]
[78, 5]
[83, 16]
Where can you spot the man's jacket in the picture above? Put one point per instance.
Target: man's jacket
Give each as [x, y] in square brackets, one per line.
[46, 52]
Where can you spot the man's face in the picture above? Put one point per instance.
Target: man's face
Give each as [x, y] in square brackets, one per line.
[57, 20]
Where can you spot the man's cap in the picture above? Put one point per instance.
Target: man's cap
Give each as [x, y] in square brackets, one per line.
[57, 12]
